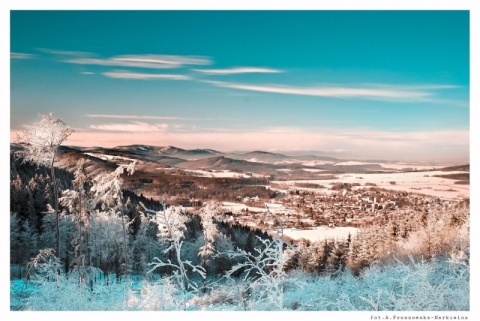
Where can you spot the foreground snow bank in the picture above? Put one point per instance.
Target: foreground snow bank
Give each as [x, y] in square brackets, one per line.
[417, 286]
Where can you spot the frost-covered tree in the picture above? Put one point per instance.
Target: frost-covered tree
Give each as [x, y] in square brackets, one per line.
[208, 215]
[106, 246]
[28, 241]
[171, 223]
[15, 229]
[40, 143]
[79, 204]
[264, 271]
[44, 267]
[108, 192]
[145, 245]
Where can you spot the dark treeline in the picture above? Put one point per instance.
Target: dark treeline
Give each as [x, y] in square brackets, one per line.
[176, 185]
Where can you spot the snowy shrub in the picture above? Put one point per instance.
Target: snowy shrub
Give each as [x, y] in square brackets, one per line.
[69, 295]
[416, 286]
[233, 295]
[158, 296]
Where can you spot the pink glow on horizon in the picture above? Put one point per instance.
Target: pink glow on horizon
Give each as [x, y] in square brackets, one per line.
[440, 146]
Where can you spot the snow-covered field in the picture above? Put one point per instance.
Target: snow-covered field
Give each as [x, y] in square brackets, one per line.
[238, 207]
[402, 166]
[313, 170]
[220, 173]
[107, 157]
[419, 182]
[321, 233]
[352, 163]
[305, 163]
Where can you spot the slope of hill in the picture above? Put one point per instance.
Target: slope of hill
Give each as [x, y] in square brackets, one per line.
[460, 168]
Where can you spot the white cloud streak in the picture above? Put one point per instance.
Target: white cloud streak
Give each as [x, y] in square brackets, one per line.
[143, 76]
[374, 92]
[130, 117]
[239, 70]
[143, 61]
[20, 55]
[165, 59]
[137, 127]
[66, 53]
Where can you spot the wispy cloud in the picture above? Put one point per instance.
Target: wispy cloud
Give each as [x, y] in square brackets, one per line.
[165, 59]
[66, 53]
[143, 61]
[373, 92]
[87, 73]
[20, 55]
[131, 117]
[143, 76]
[137, 127]
[239, 70]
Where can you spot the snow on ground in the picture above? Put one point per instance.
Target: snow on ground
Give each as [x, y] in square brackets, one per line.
[352, 163]
[238, 207]
[401, 166]
[221, 173]
[284, 170]
[274, 208]
[313, 170]
[321, 233]
[107, 157]
[305, 163]
[419, 182]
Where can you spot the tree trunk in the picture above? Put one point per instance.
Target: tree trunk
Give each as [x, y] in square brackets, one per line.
[57, 216]
[125, 248]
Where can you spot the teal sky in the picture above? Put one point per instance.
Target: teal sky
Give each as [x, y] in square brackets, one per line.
[362, 84]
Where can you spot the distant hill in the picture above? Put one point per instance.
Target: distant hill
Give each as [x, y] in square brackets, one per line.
[225, 163]
[268, 157]
[151, 159]
[167, 150]
[460, 168]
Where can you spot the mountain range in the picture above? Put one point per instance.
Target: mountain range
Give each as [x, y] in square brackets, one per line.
[151, 158]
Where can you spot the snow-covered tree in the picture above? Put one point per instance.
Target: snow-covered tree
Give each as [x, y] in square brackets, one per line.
[15, 229]
[44, 267]
[108, 192]
[28, 241]
[79, 205]
[145, 245]
[264, 271]
[171, 223]
[106, 246]
[208, 214]
[40, 143]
